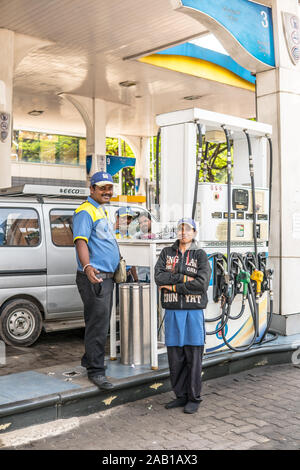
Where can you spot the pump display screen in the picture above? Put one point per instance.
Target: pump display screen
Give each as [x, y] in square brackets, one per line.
[240, 199]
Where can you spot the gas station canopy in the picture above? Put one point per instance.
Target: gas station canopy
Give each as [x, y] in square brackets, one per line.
[100, 49]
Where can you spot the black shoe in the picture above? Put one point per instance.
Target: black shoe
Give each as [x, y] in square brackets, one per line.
[101, 382]
[191, 407]
[176, 403]
[84, 363]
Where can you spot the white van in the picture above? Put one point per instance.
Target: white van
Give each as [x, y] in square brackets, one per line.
[37, 260]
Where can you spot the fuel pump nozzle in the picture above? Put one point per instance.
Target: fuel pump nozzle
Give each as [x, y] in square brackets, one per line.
[244, 278]
[269, 274]
[229, 286]
[258, 277]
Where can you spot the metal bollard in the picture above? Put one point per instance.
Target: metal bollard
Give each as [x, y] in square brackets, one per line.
[135, 323]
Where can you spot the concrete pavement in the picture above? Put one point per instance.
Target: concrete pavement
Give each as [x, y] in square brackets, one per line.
[50, 350]
[255, 409]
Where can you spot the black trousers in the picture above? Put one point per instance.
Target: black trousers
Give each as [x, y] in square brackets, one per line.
[97, 301]
[185, 371]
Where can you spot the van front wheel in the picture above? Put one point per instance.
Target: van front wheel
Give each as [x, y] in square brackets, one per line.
[20, 323]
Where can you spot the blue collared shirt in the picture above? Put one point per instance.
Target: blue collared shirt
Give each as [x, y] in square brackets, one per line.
[91, 223]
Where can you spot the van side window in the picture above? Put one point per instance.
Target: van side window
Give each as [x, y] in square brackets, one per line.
[19, 227]
[61, 223]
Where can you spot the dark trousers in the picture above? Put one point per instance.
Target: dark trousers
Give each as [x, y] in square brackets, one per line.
[97, 301]
[185, 371]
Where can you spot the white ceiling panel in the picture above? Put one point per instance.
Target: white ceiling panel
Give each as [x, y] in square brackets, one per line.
[121, 27]
[90, 40]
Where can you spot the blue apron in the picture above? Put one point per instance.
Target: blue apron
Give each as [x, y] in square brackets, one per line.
[184, 328]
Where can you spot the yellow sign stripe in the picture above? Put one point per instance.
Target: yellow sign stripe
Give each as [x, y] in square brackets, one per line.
[198, 68]
[133, 199]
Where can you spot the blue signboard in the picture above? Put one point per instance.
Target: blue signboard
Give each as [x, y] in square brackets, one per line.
[115, 164]
[88, 163]
[250, 23]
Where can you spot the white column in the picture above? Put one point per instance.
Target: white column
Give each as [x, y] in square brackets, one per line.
[142, 165]
[278, 103]
[6, 92]
[120, 172]
[141, 149]
[94, 114]
[99, 127]
[14, 47]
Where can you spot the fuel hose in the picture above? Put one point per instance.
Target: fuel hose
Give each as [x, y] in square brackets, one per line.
[198, 167]
[228, 199]
[253, 310]
[251, 170]
[270, 177]
[157, 166]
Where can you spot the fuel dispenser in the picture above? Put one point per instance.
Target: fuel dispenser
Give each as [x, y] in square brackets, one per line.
[232, 217]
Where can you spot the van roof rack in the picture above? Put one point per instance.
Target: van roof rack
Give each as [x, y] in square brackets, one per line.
[46, 191]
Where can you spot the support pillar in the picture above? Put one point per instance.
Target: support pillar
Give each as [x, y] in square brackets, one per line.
[141, 149]
[278, 104]
[142, 168]
[14, 48]
[93, 112]
[6, 93]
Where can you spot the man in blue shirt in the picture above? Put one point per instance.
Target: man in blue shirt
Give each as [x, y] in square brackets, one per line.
[124, 217]
[98, 257]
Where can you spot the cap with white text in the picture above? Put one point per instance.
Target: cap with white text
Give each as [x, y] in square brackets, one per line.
[101, 178]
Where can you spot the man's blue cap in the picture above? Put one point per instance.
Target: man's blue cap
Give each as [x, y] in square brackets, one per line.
[101, 178]
[188, 221]
[125, 211]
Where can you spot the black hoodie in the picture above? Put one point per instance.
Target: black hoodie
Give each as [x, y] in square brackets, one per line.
[173, 268]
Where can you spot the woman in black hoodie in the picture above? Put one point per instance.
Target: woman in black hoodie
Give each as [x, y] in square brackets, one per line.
[183, 273]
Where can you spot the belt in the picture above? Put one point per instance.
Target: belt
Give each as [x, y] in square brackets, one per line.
[105, 275]
[101, 274]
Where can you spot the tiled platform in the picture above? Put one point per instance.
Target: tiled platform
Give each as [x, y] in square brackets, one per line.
[64, 390]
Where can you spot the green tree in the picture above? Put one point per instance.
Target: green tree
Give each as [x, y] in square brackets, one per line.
[112, 146]
[215, 171]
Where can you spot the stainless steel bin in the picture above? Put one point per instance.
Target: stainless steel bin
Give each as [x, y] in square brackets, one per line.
[135, 323]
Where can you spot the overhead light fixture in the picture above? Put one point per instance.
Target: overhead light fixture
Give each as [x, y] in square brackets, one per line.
[192, 97]
[127, 83]
[35, 112]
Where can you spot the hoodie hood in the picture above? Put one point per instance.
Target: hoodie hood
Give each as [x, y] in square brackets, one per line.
[194, 245]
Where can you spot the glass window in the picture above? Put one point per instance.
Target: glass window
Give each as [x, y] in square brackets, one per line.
[48, 148]
[61, 223]
[19, 227]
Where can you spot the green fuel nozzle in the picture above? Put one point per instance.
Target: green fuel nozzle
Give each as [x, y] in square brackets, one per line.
[244, 278]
